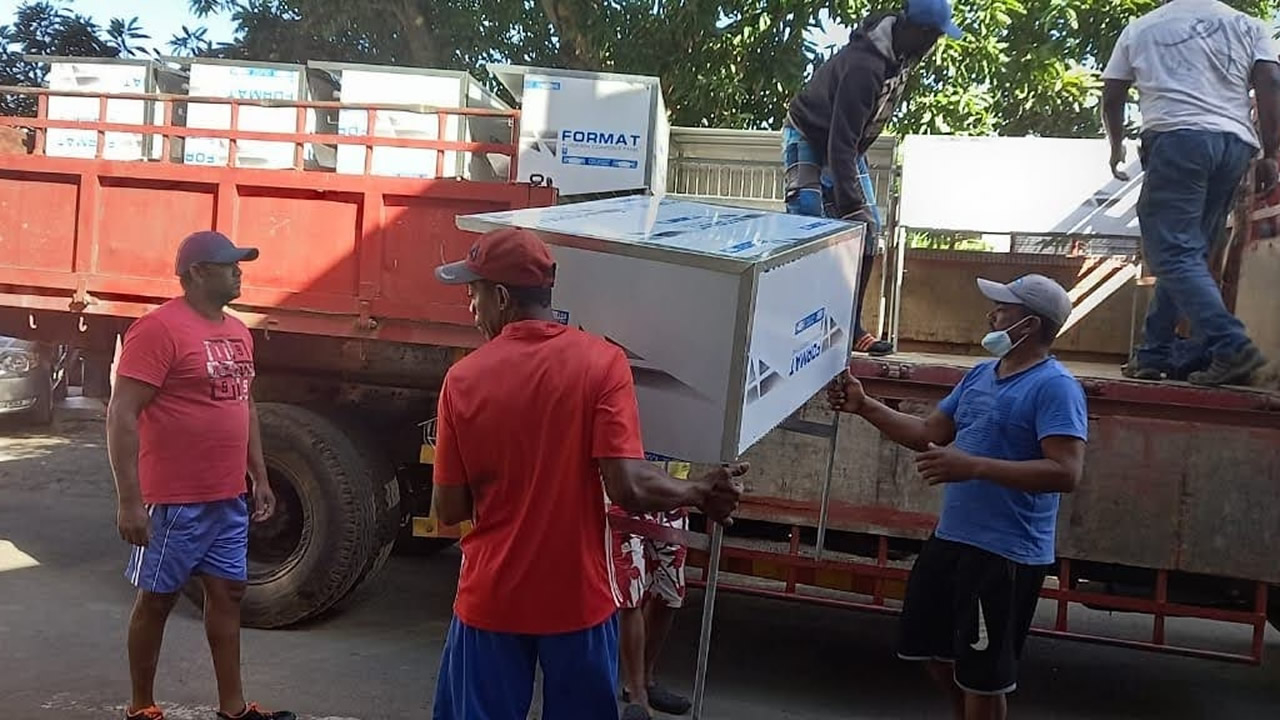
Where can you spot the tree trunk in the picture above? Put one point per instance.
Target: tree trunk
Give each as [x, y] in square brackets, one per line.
[576, 49]
[421, 41]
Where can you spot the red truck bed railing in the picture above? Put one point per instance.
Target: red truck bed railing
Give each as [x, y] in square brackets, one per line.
[346, 255]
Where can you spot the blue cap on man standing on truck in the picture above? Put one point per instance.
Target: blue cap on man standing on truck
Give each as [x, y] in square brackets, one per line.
[934, 14]
[210, 246]
[1037, 293]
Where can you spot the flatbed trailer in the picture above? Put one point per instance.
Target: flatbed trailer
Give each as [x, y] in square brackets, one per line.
[1145, 532]
[1178, 514]
[353, 339]
[352, 334]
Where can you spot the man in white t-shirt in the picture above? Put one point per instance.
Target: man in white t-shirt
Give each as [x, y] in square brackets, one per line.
[1193, 62]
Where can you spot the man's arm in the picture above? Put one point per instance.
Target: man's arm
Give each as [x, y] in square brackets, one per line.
[450, 486]
[453, 503]
[635, 484]
[145, 359]
[639, 486]
[128, 398]
[1266, 85]
[908, 430]
[264, 500]
[1059, 471]
[1117, 78]
[257, 463]
[845, 394]
[851, 109]
[1115, 95]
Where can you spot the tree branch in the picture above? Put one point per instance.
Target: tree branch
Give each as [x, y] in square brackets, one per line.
[576, 49]
[420, 39]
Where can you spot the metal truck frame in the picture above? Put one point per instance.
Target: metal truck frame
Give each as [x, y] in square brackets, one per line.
[353, 337]
[353, 341]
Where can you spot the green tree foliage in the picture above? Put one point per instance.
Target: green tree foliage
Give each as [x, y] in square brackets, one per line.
[1023, 66]
[43, 28]
[1026, 67]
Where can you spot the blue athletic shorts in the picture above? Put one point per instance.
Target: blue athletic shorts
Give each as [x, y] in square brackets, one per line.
[489, 675]
[198, 539]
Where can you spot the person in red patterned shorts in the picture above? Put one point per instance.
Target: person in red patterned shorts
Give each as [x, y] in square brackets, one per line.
[649, 580]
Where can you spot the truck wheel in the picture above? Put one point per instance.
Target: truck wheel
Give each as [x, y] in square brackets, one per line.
[386, 506]
[322, 537]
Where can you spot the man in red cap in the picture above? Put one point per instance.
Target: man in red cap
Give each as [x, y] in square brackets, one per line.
[182, 435]
[528, 425]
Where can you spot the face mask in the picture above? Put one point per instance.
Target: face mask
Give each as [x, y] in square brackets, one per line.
[998, 342]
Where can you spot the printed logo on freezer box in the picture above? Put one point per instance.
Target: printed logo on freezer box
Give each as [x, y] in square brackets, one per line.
[540, 141]
[811, 330]
[804, 356]
[600, 148]
[541, 84]
[810, 320]
[258, 94]
[815, 333]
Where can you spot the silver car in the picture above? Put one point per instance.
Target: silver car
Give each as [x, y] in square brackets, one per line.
[30, 374]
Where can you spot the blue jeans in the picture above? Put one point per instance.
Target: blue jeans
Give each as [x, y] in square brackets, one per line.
[489, 675]
[1191, 179]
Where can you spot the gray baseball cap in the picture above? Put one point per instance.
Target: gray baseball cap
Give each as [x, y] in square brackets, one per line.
[1037, 293]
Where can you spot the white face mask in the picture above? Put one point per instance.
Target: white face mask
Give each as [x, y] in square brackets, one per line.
[998, 342]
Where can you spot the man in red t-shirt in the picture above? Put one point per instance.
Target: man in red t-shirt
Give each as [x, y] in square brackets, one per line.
[182, 434]
[528, 425]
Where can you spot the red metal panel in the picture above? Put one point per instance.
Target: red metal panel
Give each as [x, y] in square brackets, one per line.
[309, 241]
[898, 380]
[417, 236]
[140, 223]
[37, 222]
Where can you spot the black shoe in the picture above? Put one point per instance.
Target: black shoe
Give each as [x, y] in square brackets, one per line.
[1134, 371]
[665, 701]
[1235, 369]
[635, 712]
[253, 712]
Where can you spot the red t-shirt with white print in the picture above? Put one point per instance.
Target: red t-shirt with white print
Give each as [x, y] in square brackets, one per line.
[194, 435]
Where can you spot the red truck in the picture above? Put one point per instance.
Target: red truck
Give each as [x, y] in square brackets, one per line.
[1177, 515]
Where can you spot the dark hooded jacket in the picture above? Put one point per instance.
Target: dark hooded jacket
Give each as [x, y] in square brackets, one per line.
[846, 104]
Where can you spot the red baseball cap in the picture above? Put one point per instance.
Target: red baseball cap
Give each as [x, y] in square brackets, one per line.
[511, 256]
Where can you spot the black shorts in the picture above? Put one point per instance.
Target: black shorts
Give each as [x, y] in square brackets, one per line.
[972, 608]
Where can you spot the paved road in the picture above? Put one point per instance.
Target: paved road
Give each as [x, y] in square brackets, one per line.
[63, 607]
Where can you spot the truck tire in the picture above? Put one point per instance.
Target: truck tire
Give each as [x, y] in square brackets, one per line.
[323, 537]
[386, 507]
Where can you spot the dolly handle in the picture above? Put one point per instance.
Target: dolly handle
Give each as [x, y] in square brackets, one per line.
[708, 613]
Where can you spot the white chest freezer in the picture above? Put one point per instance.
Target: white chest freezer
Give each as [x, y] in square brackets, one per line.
[108, 76]
[248, 81]
[732, 318]
[389, 85]
[590, 132]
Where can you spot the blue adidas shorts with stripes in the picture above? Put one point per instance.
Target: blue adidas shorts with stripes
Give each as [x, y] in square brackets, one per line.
[198, 539]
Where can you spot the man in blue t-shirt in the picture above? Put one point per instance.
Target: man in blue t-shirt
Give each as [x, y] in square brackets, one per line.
[1004, 444]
